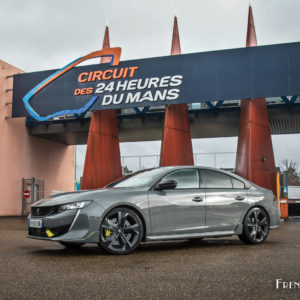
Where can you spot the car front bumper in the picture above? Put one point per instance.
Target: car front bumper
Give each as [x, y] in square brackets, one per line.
[78, 225]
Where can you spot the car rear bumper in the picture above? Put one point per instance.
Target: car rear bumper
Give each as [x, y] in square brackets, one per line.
[275, 219]
[277, 225]
[274, 226]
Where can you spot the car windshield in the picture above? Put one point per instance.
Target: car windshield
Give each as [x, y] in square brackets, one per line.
[140, 179]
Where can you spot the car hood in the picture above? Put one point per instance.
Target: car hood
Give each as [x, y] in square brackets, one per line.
[105, 193]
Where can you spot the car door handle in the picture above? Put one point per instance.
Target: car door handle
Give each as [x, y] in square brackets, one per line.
[239, 197]
[197, 199]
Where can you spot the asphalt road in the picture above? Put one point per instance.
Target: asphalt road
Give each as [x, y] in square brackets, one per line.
[211, 269]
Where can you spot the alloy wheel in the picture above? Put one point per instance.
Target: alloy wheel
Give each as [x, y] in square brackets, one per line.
[120, 231]
[257, 225]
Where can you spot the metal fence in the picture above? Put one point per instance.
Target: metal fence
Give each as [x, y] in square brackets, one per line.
[215, 159]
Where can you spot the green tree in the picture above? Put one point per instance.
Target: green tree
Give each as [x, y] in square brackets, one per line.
[292, 169]
[126, 170]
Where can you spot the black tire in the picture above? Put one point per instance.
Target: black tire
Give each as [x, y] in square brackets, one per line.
[71, 245]
[121, 231]
[256, 226]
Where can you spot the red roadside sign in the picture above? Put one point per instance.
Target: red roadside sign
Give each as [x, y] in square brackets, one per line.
[26, 194]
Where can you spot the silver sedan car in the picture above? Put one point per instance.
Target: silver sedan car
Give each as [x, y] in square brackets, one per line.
[165, 203]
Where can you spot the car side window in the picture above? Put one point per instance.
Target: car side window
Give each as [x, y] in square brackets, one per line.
[237, 184]
[186, 179]
[214, 179]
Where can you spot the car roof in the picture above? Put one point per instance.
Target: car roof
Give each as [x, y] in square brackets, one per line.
[206, 168]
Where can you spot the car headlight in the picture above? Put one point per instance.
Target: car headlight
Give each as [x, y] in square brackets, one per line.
[74, 205]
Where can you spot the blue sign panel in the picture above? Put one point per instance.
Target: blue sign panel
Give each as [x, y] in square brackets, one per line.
[265, 71]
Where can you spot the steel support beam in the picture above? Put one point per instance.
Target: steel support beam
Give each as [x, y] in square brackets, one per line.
[287, 101]
[143, 111]
[216, 106]
[255, 158]
[176, 146]
[102, 162]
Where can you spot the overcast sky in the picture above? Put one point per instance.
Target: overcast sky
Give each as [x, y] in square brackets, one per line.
[47, 34]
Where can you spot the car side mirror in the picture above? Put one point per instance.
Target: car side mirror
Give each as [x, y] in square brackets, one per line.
[168, 184]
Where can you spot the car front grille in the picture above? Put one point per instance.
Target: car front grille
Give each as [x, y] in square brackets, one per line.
[41, 232]
[44, 211]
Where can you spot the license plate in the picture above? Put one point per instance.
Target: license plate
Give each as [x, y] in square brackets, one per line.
[36, 223]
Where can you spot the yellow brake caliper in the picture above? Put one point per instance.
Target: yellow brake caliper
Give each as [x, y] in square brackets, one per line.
[106, 233]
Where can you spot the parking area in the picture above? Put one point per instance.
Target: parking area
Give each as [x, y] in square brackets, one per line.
[221, 268]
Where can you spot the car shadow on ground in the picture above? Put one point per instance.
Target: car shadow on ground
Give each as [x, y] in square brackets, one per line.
[207, 244]
[150, 247]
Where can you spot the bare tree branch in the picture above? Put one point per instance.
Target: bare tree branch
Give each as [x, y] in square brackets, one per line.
[291, 167]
